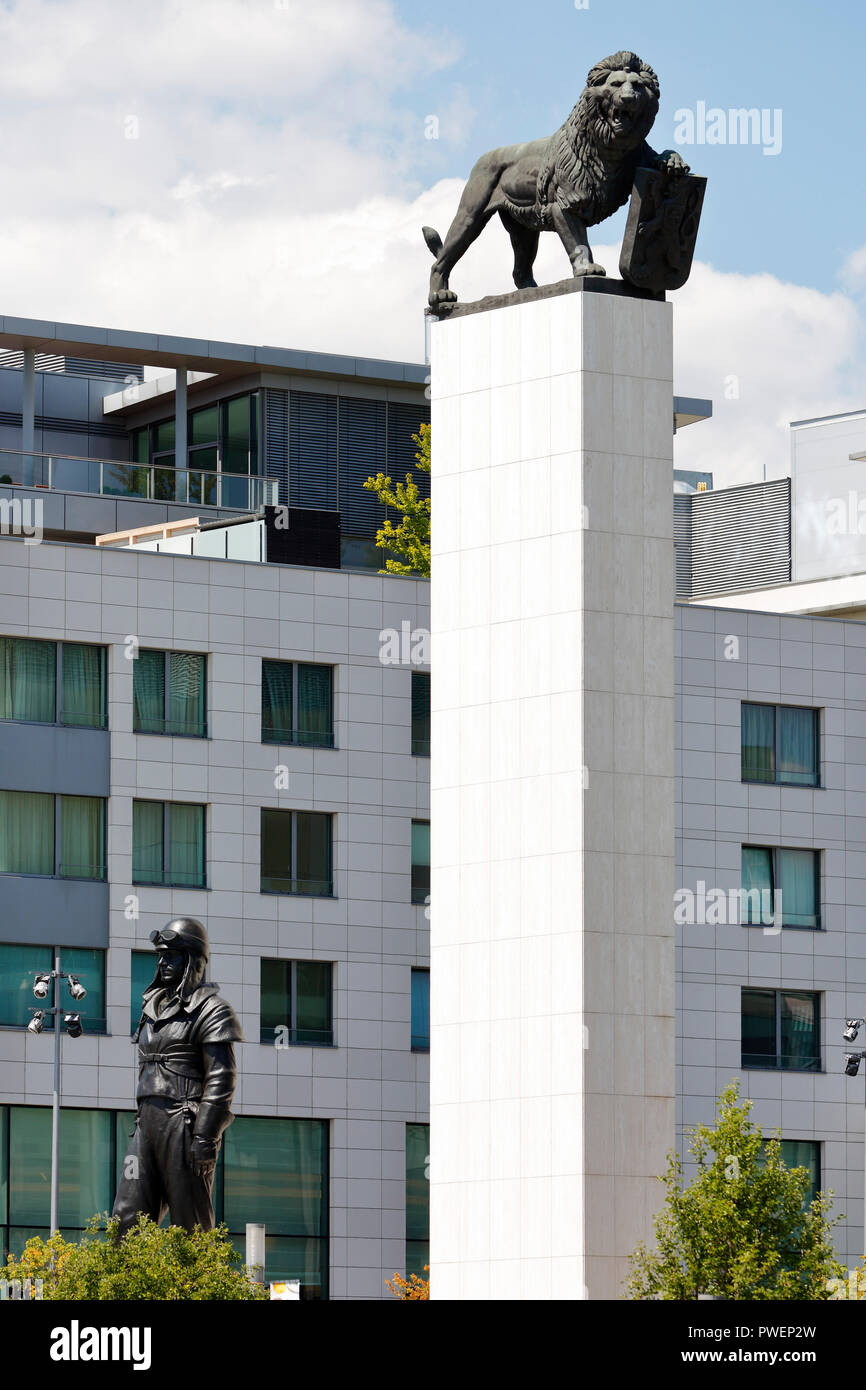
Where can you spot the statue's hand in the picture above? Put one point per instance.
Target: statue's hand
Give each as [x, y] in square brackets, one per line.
[203, 1156]
[670, 162]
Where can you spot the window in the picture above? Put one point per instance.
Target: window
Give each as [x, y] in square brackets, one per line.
[417, 1200]
[296, 996]
[53, 682]
[296, 853]
[779, 744]
[781, 1029]
[142, 970]
[168, 843]
[297, 704]
[420, 1010]
[277, 1168]
[792, 874]
[20, 964]
[52, 836]
[221, 438]
[421, 714]
[169, 694]
[801, 1153]
[420, 861]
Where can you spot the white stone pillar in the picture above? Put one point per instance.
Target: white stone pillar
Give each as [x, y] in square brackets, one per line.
[552, 1027]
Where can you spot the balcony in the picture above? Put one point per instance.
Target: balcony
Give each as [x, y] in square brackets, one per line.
[243, 492]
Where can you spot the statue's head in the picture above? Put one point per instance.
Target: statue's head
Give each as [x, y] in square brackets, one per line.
[183, 950]
[624, 94]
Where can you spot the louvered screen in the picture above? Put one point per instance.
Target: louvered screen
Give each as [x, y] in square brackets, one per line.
[313, 450]
[75, 366]
[741, 538]
[683, 546]
[362, 454]
[277, 440]
[403, 422]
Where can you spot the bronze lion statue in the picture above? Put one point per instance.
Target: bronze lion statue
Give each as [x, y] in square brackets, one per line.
[563, 183]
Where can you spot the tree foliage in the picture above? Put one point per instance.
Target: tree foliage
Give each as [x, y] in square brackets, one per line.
[410, 1289]
[740, 1229]
[410, 540]
[149, 1263]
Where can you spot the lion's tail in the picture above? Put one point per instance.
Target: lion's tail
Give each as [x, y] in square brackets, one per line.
[433, 240]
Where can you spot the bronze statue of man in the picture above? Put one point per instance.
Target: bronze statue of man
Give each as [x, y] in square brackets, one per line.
[186, 1081]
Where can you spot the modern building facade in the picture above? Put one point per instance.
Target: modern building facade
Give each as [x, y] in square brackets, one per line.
[228, 738]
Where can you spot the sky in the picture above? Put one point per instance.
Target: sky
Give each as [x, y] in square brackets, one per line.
[259, 171]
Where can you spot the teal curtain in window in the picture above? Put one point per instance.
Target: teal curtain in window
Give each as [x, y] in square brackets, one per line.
[28, 680]
[82, 837]
[276, 1172]
[420, 1010]
[18, 966]
[276, 998]
[277, 725]
[798, 881]
[417, 1198]
[85, 1168]
[147, 841]
[186, 845]
[142, 971]
[313, 851]
[315, 720]
[798, 746]
[757, 878]
[420, 713]
[313, 990]
[148, 693]
[82, 686]
[89, 966]
[759, 1045]
[420, 860]
[26, 833]
[186, 709]
[758, 743]
[800, 1044]
[804, 1153]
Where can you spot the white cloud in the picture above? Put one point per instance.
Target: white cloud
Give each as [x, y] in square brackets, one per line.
[267, 197]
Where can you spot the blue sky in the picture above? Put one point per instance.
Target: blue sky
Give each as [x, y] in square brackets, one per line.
[799, 214]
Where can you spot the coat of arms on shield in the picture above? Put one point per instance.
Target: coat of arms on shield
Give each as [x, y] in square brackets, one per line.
[661, 230]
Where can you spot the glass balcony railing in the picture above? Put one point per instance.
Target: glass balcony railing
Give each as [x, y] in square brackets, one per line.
[196, 487]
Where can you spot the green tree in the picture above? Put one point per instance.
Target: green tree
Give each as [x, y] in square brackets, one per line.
[149, 1263]
[410, 541]
[740, 1230]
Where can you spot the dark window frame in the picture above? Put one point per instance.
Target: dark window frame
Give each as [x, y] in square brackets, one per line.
[418, 895]
[295, 739]
[777, 780]
[165, 881]
[267, 1035]
[417, 1044]
[166, 691]
[776, 1065]
[58, 840]
[419, 751]
[292, 876]
[58, 722]
[776, 880]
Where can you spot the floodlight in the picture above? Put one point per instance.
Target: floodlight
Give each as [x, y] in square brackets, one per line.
[41, 986]
[36, 1023]
[73, 1025]
[76, 988]
[852, 1063]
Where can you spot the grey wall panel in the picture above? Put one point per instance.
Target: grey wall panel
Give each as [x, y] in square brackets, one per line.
[53, 912]
[65, 397]
[44, 758]
[93, 516]
[53, 510]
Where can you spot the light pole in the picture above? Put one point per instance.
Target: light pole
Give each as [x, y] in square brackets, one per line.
[852, 1067]
[72, 1022]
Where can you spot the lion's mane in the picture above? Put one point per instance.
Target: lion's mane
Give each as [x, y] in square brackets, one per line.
[588, 169]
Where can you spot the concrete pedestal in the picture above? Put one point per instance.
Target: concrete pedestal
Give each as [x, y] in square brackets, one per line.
[552, 1028]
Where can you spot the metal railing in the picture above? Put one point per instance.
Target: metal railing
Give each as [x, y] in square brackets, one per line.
[244, 492]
